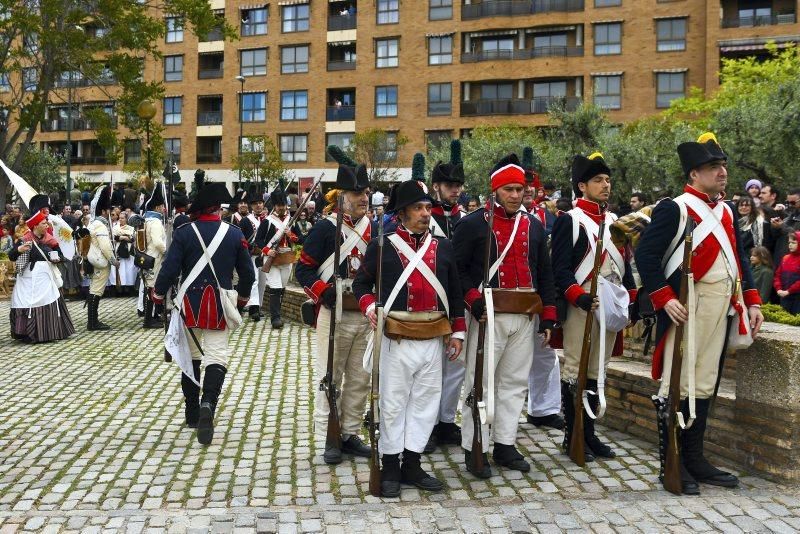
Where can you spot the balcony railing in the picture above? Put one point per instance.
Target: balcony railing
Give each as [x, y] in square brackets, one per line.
[764, 20]
[342, 22]
[341, 113]
[78, 123]
[209, 158]
[507, 8]
[209, 118]
[341, 65]
[103, 79]
[213, 35]
[205, 74]
[89, 160]
[517, 106]
[527, 53]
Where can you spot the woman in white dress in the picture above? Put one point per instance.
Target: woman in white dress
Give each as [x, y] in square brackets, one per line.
[123, 241]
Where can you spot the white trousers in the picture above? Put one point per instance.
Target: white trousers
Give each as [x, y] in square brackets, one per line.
[215, 346]
[452, 380]
[140, 300]
[410, 388]
[278, 276]
[513, 339]
[99, 280]
[257, 290]
[351, 380]
[544, 380]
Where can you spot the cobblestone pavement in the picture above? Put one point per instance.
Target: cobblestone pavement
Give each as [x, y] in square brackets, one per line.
[91, 439]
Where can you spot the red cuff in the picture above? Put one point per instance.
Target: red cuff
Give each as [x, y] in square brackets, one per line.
[471, 296]
[632, 294]
[316, 290]
[459, 325]
[265, 251]
[549, 314]
[751, 297]
[365, 302]
[572, 294]
[661, 297]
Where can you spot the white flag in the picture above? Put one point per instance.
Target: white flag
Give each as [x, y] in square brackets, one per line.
[24, 190]
[63, 234]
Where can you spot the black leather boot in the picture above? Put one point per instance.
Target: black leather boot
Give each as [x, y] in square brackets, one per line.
[509, 457]
[390, 475]
[411, 472]
[212, 386]
[594, 444]
[692, 449]
[689, 485]
[149, 320]
[254, 314]
[93, 315]
[191, 396]
[275, 307]
[568, 404]
[485, 473]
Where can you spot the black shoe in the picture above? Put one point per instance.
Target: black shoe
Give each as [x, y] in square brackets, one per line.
[255, 316]
[552, 421]
[139, 312]
[390, 475]
[205, 424]
[192, 413]
[692, 449]
[411, 472]
[277, 323]
[485, 473]
[332, 455]
[508, 457]
[598, 448]
[431, 445]
[356, 447]
[568, 405]
[689, 485]
[447, 433]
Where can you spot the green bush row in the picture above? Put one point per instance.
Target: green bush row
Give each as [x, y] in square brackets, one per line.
[774, 313]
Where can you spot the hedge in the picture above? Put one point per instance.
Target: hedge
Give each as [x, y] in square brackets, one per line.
[774, 313]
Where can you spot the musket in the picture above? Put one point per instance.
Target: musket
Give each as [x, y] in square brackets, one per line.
[577, 440]
[290, 183]
[333, 436]
[280, 233]
[672, 462]
[475, 397]
[374, 461]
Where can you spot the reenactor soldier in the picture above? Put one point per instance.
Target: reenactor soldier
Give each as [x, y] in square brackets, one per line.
[575, 235]
[156, 243]
[726, 302]
[101, 255]
[201, 307]
[281, 251]
[424, 310]
[521, 279]
[315, 272]
[250, 224]
[180, 202]
[239, 203]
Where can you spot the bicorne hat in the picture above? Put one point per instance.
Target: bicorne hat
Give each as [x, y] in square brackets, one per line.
[407, 193]
[696, 154]
[39, 207]
[584, 169]
[211, 194]
[352, 178]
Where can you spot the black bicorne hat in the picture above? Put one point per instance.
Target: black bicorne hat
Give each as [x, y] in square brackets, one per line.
[349, 178]
[239, 197]
[407, 193]
[38, 202]
[278, 198]
[448, 172]
[253, 195]
[103, 201]
[584, 169]
[156, 197]
[179, 199]
[212, 194]
[696, 154]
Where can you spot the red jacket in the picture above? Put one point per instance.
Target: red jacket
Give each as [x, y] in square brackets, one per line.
[787, 275]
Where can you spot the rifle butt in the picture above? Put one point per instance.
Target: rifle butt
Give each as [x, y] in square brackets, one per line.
[476, 457]
[577, 442]
[374, 476]
[672, 469]
[333, 435]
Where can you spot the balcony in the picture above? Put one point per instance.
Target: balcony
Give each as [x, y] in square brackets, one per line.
[78, 124]
[207, 74]
[341, 65]
[508, 8]
[210, 65]
[215, 34]
[342, 22]
[759, 20]
[341, 113]
[517, 106]
[209, 118]
[528, 53]
[209, 158]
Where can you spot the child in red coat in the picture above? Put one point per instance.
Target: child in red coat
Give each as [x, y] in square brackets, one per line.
[787, 277]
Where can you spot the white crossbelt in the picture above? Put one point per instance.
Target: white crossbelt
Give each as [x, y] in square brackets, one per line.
[415, 263]
[353, 238]
[279, 227]
[579, 217]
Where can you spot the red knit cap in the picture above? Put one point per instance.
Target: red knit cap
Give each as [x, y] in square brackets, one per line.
[36, 218]
[507, 171]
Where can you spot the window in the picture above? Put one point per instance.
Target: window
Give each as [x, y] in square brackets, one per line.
[550, 41]
[253, 62]
[294, 147]
[755, 16]
[342, 140]
[498, 48]
[173, 68]
[608, 92]
[294, 59]
[669, 86]
[5, 83]
[440, 98]
[388, 11]
[497, 91]
[173, 147]
[388, 150]
[440, 50]
[294, 105]
[386, 51]
[295, 18]
[440, 10]
[437, 138]
[30, 79]
[386, 101]
[174, 30]
[254, 21]
[254, 107]
[172, 109]
[133, 151]
[252, 144]
[607, 39]
[549, 89]
[670, 35]
[607, 3]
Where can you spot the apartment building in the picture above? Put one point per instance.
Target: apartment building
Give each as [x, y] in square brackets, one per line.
[308, 73]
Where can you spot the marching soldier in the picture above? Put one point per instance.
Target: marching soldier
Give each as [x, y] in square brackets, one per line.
[156, 242]
[315, 272]
[250, 224]
[201, 304]
[101, 255]
[726, 302]
[421, 294]
[281, 269]
[522, 287]
[574, 237]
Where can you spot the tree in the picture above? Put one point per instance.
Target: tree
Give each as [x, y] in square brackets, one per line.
[261, 164]
[41, 169]
[49, 47]
[379, 150]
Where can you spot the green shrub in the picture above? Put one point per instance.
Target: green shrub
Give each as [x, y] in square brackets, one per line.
[774, 313]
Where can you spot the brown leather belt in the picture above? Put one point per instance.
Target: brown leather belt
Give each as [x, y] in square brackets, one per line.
[409, 329]
[349, 302]
[284, 257]
[513, 301]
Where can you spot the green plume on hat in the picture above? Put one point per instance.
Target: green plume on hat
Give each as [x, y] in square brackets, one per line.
[340, 157]
[418, 167]
[529, 159]
[455, 152]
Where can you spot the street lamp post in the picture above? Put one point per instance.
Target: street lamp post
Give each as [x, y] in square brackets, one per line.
[240, 78]
[146, 111]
